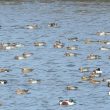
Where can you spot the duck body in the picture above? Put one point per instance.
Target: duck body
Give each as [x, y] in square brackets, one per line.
[39, 44]
[26, 70]
[22, 91]
[73, 39]
[72, 47]
[52, 25]
[32, 26]
[33, 81]
[67, 102]
[3, 81]
[84, 69]
[70, 87]
[102, 33]
[93, 57]
[58, 44]
[98, 70]
[21, 57]
[27, 54]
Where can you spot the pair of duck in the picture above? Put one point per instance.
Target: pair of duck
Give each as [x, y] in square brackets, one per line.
[23, 56]
[35, 26]
[8, 46]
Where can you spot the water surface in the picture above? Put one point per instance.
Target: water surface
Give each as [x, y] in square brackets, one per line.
[56, 71]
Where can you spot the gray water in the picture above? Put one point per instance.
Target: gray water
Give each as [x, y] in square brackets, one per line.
[56, 71]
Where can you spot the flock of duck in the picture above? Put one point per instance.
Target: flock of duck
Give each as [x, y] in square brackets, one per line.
[94, 77]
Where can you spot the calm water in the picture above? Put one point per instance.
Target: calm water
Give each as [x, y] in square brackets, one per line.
[56, 71]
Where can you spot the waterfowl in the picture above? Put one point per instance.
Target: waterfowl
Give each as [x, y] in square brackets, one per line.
[93, 57]
[26, 70]
[104, 48]
[102, 33]
[70, 54]
[73, 39]
[89, 41]
[104, 42]
[58, 44]
[93, 81]
[32, 26]
[34, 81]
[94, 74]
[52, 25]
[17, 45]
[84, 69]
[27, 54]
[108, 93]
[108, 84]
[67, 102]
[85, 78]
[4, 70]
[72, 47]
[9, 46]
[39, 43]
[22, 91]
[3, 81]
[70, 87]
[97, 70]
[20, 57]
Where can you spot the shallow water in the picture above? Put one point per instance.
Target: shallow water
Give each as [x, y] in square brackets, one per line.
[56, 71]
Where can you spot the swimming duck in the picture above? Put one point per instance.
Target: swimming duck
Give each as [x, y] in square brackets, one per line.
[104, 48]
[93, 81]
[39, 43]
[85, 78]
[108, 84]
[73, 39]
[97, 71]
[108, 93]
[89, 41]
[52, 25]
[70, 87]
[22, 91]
[94, 74]
[70, 54]
[27, 54]
[102, 33]
[3, 81]
[21, 57]
[34, 81]
[32, 26]
[26, 70]
[84, 69]
[58, 44]
[4, 70]
[93, 57]
[104, 42]
[67, 102]
[72, 47]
